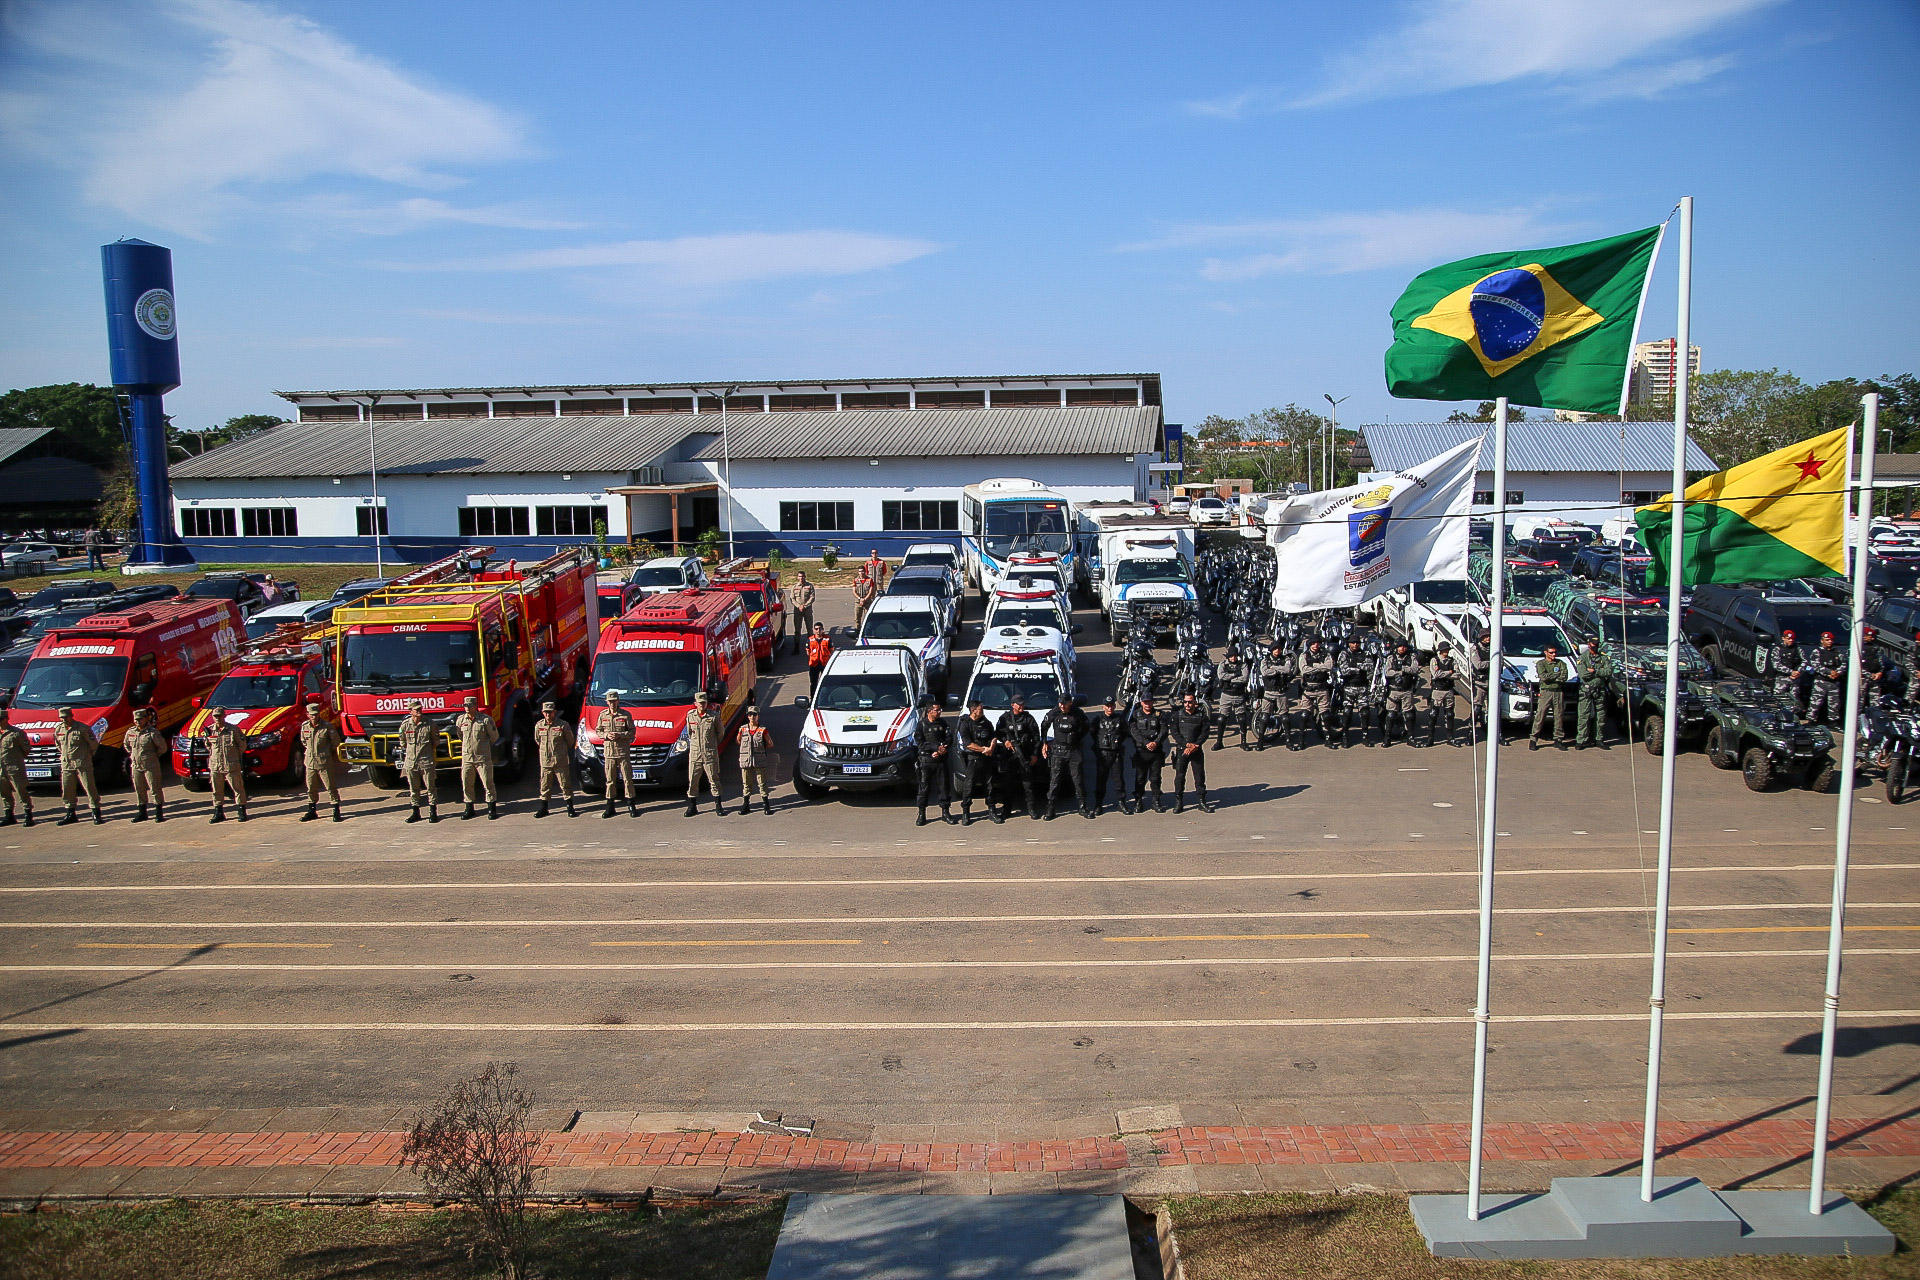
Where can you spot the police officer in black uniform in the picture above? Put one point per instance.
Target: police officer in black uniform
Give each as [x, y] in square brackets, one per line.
[1061, 736]
[1148, 729]
[932, 748]
[1190, 725]
[1355, 675]
[1276, 674]
[1019, 737]
[978, 745]
[1109, 734]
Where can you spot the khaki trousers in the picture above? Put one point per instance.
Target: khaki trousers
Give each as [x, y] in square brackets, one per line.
[77, 777]
[476, 775]
[698, 767]
[234, 782]
[556, 777]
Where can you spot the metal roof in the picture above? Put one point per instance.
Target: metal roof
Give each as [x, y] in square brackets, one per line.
[925, 433]
[731, 385]
[1536, 446]
[446, 446]
[14, 439]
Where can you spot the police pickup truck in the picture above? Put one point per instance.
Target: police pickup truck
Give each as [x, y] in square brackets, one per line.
[1730, 624]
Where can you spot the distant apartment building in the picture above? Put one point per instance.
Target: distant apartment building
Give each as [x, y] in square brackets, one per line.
[1653, 369]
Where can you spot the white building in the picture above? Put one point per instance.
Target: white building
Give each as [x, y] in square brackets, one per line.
[1651, 375]
[1585, 471]
[864, 463]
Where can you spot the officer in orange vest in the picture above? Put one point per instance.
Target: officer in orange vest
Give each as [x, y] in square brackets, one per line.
[819, 649]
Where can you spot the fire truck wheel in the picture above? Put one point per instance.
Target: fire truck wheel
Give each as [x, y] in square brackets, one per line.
[385, 777]
[296, 770]
[520, 749]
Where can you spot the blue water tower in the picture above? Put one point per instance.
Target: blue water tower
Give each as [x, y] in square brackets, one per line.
[142, 337]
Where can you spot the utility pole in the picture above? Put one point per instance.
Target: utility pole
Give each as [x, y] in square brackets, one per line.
[1333, 434]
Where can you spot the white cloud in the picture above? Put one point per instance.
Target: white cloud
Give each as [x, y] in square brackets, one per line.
[717, 260]
[506, 317]
[344, 344]
[268, 98]
[417, 213]
[1335, 244]
[1595, 48]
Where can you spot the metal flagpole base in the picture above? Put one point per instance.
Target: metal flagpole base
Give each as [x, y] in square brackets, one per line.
[1605, 1218]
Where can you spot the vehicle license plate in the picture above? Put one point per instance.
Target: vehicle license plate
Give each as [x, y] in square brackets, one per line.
[639, 775]
[856, 768]
[39, 773]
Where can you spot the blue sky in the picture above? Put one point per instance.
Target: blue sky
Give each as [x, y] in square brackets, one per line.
[425, 194]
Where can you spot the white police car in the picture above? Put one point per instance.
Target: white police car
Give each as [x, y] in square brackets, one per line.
[915, 624]
[862, 722]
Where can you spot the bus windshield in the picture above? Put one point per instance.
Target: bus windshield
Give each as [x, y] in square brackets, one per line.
[385, 661]
[646, 679]
[1036, 525]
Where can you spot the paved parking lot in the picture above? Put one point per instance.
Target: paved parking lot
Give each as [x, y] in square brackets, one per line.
[1306, 950]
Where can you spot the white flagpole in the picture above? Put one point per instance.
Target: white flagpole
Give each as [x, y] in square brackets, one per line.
[1483, 997]
[1669, 731]
[1843, 839]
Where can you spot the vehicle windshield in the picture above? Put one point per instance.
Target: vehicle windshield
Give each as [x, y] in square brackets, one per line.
[244, 692]
[1526, 641]
[943, 558]
[1794, 588]
[386, 661]
[1026, 616]
[47, 597]
[1561, 553]
[218, 588]
[995, 689]
[900, 626]
[1530, 586]
[1895, 577]
[1445, 591]
[1210, 503]
[1637, 628]
[665, 679]
[10, 668]
[752, 601]
[1153, 570]
[52, 621]
[661, 576]
[1808, 626]
[75, 682]
[1013, 527]
[929, 585]
[851, 692]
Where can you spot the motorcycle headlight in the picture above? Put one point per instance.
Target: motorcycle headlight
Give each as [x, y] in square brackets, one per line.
[267, 740]
[680, 744]
[98, 728]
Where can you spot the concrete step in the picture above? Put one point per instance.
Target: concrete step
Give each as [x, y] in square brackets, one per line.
[938, 1237]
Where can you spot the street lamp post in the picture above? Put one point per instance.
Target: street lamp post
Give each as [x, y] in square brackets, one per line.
[726, 466]
[373, 478]
[1333, 433]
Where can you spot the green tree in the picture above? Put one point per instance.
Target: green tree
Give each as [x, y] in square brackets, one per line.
[194, 443]
[1269, 447]
[1485, 413]
[83, 416]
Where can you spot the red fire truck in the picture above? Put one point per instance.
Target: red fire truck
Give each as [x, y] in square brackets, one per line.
[758, 587]
[512, 637]
[266, 693]
[160, 655]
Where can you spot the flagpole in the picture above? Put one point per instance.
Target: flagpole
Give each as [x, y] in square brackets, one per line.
[1670, 723]
[1496, 664]
[1843, 839]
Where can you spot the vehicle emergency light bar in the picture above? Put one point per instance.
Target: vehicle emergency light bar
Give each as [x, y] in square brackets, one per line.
[1022, 593]
[1149, 542]
[1016, 655]
[1035, 557]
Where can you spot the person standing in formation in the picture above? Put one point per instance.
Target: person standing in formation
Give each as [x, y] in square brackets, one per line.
[1190, 728]
[930, 757]
[865, 590]
[1444, 681]
[477, 733]
[147, 749]
[1061, 736]
[76, 746]
[320, 741]
[800, 597]
[418, 742]
[553, 741]
[819, 649]
[226, 765]
[1595, 670]
[703, 755]
[1109, 734]
[1019, 736]
[1149, 732]
[978, 744]
[756, 763]
[615, 727]
[13, 769]
[1550, 699]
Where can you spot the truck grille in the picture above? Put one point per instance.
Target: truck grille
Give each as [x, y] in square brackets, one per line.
[652, 756]
[860, 750]
[44, 756]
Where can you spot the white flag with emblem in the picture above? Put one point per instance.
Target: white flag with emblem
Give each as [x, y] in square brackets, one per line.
[1341, 547]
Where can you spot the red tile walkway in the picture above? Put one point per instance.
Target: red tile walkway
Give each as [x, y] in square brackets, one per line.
[1769, 1139]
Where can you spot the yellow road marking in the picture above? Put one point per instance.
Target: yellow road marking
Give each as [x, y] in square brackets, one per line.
[742, 942]
[1231, 937]
[224, 946]
[1810, 928]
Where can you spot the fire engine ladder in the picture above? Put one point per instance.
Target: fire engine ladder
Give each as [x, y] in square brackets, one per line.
[441, 570]
[291, 639]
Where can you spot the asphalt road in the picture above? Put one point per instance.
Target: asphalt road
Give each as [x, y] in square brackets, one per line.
[1312, 942]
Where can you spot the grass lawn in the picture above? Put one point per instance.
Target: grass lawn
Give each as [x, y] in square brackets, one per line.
[1372, 1237]
[221, 1240]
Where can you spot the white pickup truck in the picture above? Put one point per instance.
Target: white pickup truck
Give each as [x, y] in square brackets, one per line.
[1424, 613]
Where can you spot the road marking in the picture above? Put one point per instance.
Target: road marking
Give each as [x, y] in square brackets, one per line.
[1809, 928]
[691, 965]
[1111, 1024]
[671, 922]
[225, 946]
[1231, 937]
[571, 885]
[742, 942]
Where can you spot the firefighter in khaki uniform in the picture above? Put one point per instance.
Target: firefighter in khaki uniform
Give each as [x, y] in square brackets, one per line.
[76, 745]
[226, 765]
[756, 762]
[615, 728]
[147, 749]
[553, 740]
[13, 769]
[477, 733]
[321, 742]
[418, 740]
[703, 755]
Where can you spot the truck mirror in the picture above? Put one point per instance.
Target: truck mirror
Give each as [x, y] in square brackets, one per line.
[142, 694]
[199, 701]
[1075, 629]
[803, 702]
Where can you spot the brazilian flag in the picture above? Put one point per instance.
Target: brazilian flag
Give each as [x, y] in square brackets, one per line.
[1551, 327]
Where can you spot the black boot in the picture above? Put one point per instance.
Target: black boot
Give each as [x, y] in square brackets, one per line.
[138, 817]
[1179, 802]
[73, 816]
[26, 819]
[336, 814]
[920, 818]
[97, 819]
[1049, 811]
[693, 807]
[966, 813]
[1157, 806]
[312, 814]
[413, 816]
[633, 807]
[1206, 805]
[1000, 814]
[608, 811]
[467, 813]
[243, 812]
[9, 820]
[433, 813]
[541, 812]
[220, 814]
[159, 812]
[493, 810]
[570, 809]
[946, 815]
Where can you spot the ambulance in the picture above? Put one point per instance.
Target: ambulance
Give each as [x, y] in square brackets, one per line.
[657, 656]
[161, 655]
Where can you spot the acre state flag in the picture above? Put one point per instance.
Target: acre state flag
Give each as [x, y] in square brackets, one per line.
[1782, 515]
[1548, 327]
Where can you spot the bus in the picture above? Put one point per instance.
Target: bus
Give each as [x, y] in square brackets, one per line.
[1009, 517]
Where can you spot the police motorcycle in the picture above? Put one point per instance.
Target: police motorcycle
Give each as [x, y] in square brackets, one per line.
[1141, 676]
[1890, 733]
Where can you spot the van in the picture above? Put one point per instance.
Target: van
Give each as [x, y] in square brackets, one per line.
[106, 666]
[656, 656]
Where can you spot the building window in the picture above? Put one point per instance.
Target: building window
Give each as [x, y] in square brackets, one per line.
[1515, 497]
[1639, 497]
[457, 409]
[269, 522]
[1026, 398]
[791, 404]
[408, 412]
[364, 518]
[206, 522]
[1102, 395]
[735, 404]
[921, 514]
[806, 517]
[329, 413]
[568, 522]
[950, 399]
[493, 522]
[523, 408]
[660, 404]
[590, 408]
[1483, 497]
[874, 400]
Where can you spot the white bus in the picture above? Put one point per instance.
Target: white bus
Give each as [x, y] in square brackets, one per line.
[1009, 517]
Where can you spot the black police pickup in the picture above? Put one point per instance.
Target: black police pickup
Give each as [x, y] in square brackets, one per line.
[1731, 624]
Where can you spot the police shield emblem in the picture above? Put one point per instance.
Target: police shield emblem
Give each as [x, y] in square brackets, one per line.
[1367, 526]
